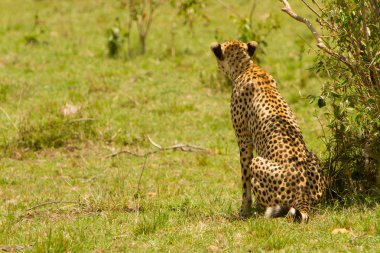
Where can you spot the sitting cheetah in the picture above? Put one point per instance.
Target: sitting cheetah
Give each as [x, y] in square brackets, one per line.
[285, 176]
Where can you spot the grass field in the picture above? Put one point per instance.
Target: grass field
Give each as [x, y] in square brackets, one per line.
[61, 192]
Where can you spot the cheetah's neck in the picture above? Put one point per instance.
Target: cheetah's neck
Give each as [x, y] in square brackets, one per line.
[256, 76]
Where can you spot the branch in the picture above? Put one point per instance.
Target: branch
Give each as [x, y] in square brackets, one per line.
[141, 174]
[129, 153]
[253, 7]
[320, 20]
[9, 118]
[373, 70]
[153, 143]
[375, 6]
[290, 12]
[288, 9]
[82, 120]
[181, 147]
[311, 8]
[236, 13]
[317, 4]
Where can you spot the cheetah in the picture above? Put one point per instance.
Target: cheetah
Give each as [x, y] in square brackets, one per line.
[285, 177]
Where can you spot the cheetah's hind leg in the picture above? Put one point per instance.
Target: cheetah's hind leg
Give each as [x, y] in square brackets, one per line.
[298, 216]
[286, 211]
[271, 185]
[277, 211]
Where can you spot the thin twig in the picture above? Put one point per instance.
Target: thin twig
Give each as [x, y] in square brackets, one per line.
[125, 152]
[374, 58]
[153, 143]
[324, 23]
[9, 118]
[369, 53]
[323, 129]
[141, 174]
[253, 7]
[230, 9]
[82, 119]
[120, 236]
[292, 14]
[311, 8]
[186, 148]
[50, 203]
[317, 4]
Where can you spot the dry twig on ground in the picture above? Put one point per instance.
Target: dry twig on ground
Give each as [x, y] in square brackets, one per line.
[181, 147]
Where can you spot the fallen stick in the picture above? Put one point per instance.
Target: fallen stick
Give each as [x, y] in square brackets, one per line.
[181, 147]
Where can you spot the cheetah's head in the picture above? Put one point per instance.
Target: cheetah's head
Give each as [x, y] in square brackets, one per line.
[234, 57]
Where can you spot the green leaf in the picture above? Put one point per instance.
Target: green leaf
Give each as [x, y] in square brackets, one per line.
[321, 102]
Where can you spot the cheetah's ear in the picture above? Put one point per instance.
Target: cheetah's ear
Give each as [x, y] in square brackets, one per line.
[252, 45]
[217, 49]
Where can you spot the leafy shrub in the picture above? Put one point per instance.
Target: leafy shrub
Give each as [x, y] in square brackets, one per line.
[353, 95]
[51, 130]
[141, 13]
[257, 31]
[54, 132]
[349, 57]
[250, 29]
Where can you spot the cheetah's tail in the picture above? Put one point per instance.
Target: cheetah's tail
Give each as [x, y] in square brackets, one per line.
[280, 211]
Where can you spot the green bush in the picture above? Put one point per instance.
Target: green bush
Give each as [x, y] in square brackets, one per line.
[51, 130]
[350, 59]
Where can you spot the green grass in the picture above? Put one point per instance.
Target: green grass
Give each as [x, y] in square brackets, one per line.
[188, 202]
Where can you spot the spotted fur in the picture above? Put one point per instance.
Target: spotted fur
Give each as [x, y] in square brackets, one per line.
[284, 176]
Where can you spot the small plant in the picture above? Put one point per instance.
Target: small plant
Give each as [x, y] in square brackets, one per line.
[141, 12]
[34, 37]
[189, 10]
[257, 31]
[54, 130]
[53, 133]
[152, 224]
[253, 30]
[31, 38]
[115, 42]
